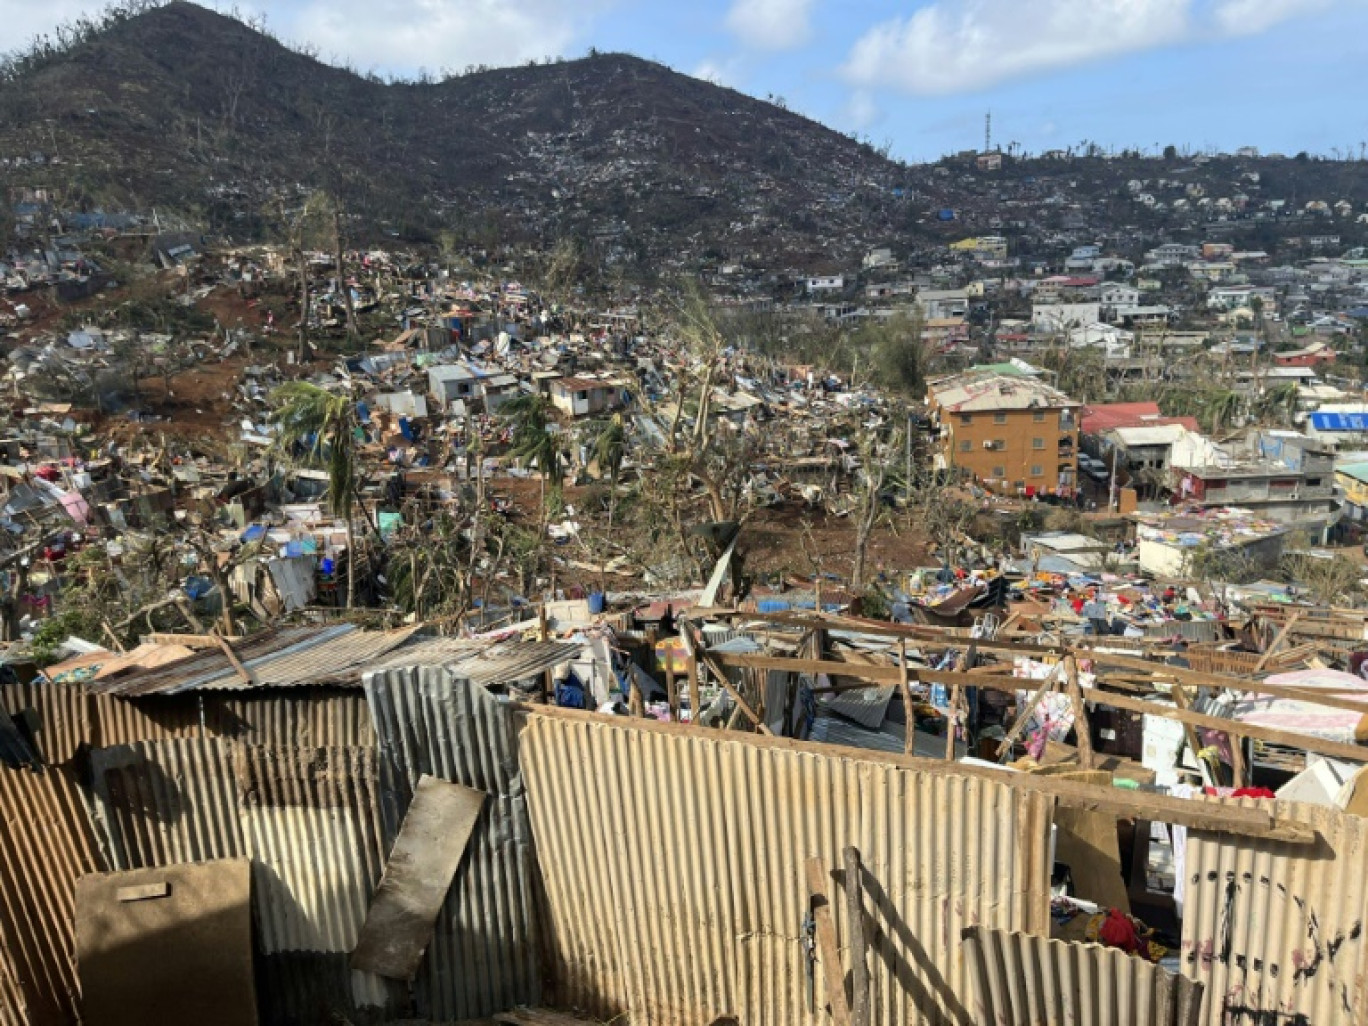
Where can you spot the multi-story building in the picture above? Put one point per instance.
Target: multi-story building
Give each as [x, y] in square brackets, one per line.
[1012, 432]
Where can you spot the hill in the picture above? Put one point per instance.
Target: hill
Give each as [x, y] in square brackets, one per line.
[182, 108]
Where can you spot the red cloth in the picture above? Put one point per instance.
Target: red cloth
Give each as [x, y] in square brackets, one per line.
[1117, 931]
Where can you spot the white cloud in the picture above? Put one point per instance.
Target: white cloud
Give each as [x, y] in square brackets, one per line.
[771, 24]
[718, 71]
[949, 48]
[403, 35]
[861, 112]
[1250, 17]
[25, 19]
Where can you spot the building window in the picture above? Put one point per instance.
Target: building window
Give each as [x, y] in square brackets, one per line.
[1037, 443]
[999, 418]
[582, 396]
[966, 418]
[999, 472]
[1038, 416]
[966, 445]
[1037, 470]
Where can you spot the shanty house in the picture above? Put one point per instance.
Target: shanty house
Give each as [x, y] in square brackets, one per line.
[584, 397]
[452, 381]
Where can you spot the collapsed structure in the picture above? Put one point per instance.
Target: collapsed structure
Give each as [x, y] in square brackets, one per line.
[247, 802]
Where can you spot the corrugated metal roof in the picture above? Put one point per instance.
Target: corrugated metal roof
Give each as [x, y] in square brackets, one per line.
[512, 661]
[673, 862]
[164, 802]
[305, 717]
[1275, 931]
[485, 954]
[46, 845]
[1021, 980]
[338, 654]
[311, 824]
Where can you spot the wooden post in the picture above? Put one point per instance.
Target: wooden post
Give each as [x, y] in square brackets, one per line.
[1086, 758]
[828, 951]
[548, 684]
[859, 969]
[909, 708]
[671, 688]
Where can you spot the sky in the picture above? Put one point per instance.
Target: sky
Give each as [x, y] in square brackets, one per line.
[916, 75]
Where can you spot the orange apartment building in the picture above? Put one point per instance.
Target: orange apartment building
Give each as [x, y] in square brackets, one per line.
[1015, 434]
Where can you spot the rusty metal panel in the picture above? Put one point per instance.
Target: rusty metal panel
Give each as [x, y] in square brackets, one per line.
[46, 845]
[165, 802]
[485, 952]
[123, 721]
[307, 718]
[311, 825]
[1022, 980]
[1276, 931]
[14, 1010]
[61, 716]
[673, 862]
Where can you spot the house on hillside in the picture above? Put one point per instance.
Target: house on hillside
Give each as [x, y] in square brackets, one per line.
[1312, 355]
[585, 397]
[449, 382]
[1014, 433]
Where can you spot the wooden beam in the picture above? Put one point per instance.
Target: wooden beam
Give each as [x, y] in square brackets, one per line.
[828, 951]
[909, 707]
[1306, 742]
[859, 968]
[1084, 732]
[245, 675]
[1180, 699]
[1277, 641]
[1046, 686]
[1218, 680]
[710, 661]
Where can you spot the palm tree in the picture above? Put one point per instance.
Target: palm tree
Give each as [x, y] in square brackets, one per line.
[324, 425]
[533, 444]
[609, 441]
[1280, 404]
[1220, 409]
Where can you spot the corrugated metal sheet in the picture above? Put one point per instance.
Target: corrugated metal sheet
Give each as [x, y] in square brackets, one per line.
[16, 752]
[512, 661]
[46, 845]
[485, 954]
[311, 825]
[307, 718]
[1023, 980]
[164, 802]
[127, 721]
[673, 863]
[288, 657]
[60, 715]
[14, 1009]
[1276, 932]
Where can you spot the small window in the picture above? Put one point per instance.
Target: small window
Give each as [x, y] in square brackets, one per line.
[581, 396]
[999, 418]
[1038, 416]
[1037, 443]
[966, 445]
[999, 472]
[1313, 482]
[966, 418]
[1037, 470]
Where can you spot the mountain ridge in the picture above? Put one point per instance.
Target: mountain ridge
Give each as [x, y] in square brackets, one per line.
[186, 108]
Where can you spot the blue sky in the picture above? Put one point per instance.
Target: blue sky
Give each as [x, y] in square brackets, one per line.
[1282, 75]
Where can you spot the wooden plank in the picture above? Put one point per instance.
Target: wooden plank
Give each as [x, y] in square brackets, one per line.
[1277, 641]
[1086, 842]
[859, 968]
[711, 661]
[1046, 686]
[245, 675]
[143, 892]
[1081, 728]
[828, 951]
[1189, 731]
[426, 854]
